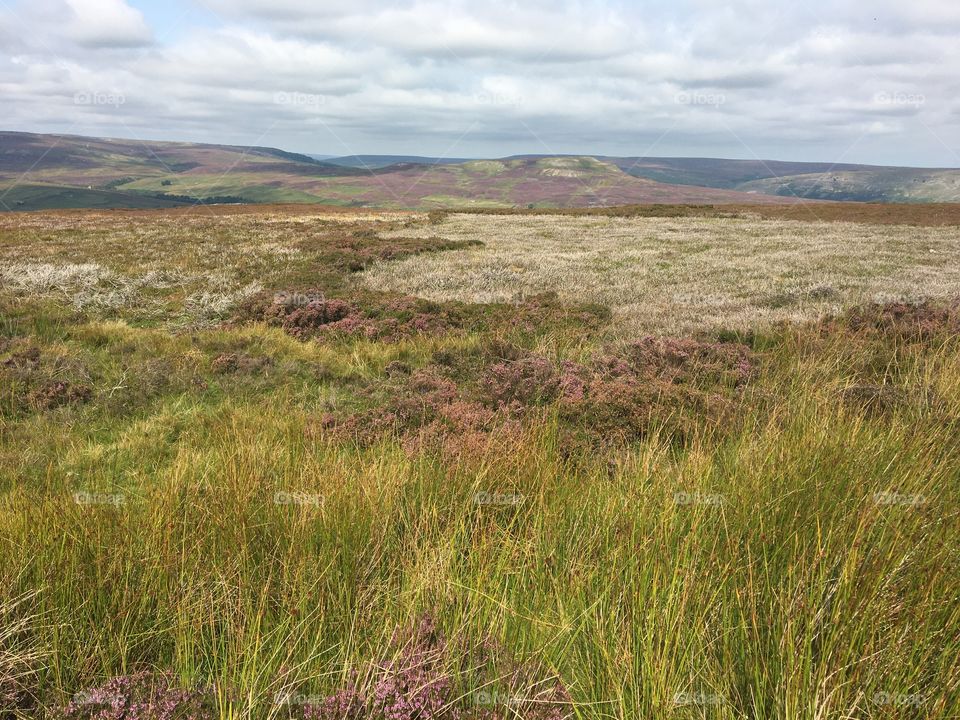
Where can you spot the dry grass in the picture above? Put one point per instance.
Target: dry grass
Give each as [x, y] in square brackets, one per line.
[921, 214]
[189, 268]
[679, 275]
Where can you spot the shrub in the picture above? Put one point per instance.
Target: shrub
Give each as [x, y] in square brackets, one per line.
[57, 393]
[530, 381]
[142, 696]
[415, 680]
[911, 322]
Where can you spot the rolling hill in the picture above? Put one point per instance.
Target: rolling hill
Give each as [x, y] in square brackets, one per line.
[807, 180]
[868, 185]
[67, 171]
[374, 162]
[720, 173]
[62, 171]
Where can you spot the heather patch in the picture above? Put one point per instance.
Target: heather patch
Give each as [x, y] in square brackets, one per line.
[905, 321]
[229, 363]
[463, 403]
[141, 696]
[423, 676]
[59, 392]
[357, 250]
[36, 381]
[392, 318]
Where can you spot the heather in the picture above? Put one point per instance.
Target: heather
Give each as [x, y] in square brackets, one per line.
[332, 502]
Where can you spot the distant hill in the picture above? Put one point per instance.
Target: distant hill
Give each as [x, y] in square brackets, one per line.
[808, 180]
[719, 173]
[375, 162]
[822, 181]
[47, 171]
[51, 171]
[903, 185]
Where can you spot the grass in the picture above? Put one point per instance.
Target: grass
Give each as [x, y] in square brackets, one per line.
[44, 197]
[682, 275]
[795, 556]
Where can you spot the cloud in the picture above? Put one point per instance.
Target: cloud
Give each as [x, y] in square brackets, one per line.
[777, 79]
[454, 30]
[106, 23]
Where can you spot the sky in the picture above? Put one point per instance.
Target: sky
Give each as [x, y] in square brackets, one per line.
[863, 81]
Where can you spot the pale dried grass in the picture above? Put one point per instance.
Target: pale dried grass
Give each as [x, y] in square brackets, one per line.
[680, 275]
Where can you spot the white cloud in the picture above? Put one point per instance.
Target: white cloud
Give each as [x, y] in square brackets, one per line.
[685, 77]
[106, 23]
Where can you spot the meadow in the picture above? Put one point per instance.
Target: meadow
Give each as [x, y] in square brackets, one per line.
[279, 462]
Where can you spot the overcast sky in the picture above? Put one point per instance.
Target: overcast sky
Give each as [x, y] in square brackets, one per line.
[874, 81]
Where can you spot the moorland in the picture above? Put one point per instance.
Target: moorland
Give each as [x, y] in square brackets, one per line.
[641, 462]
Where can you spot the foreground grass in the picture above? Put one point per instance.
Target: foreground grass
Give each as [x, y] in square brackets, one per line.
[795, 557]
[802, 564]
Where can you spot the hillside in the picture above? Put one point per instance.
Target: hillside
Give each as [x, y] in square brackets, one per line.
[808, 180]
[540, 182]
[374, 162]
[821, 181]
[871, 185]
[61, 171]
[720, 173]
[57, 167]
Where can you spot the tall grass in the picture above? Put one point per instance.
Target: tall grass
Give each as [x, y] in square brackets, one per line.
[798, 562]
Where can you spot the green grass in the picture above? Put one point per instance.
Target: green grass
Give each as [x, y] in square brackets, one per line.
[46, 197]
[798, 559]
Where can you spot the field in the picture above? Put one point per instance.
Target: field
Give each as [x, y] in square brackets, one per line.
[290, 462]
[682, 275]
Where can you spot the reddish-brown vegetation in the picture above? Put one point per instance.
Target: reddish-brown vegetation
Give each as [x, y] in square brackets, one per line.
[391, 317]
[456, 403]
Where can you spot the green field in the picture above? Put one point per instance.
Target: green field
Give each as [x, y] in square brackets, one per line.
[48, 197]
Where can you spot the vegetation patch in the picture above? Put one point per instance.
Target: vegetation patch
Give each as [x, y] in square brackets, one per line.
[235, 508]
[681, 275]
[459, 403]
